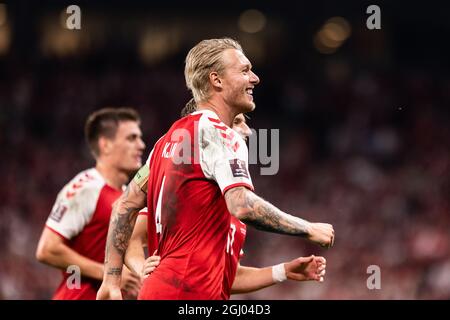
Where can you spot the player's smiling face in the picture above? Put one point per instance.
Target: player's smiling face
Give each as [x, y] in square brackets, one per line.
[238, 81]
[128, 146]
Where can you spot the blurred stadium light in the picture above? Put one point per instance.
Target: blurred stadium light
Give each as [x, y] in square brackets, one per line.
[5, 38]
[3, 14]
[252, 21]
[332, 35]
[5, 30]
[57, 40]
[157, 43]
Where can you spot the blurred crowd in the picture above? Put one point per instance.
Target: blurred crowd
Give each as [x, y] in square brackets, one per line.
[365, 151]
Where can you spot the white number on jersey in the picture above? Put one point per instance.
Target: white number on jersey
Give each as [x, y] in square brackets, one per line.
[231, 239]
[158, 208]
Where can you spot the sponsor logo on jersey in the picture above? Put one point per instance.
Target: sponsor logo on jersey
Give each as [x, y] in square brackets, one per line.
[239, 168]
[58, 213]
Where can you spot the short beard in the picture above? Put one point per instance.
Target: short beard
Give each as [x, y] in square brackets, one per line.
[242, 108]
[248, 108]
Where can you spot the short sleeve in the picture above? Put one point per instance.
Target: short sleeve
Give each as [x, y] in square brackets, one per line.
[73, 209]
[144, 212]
[223, 154]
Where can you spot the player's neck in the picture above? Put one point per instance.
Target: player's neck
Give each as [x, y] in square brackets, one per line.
[113, 177]
[221, 109]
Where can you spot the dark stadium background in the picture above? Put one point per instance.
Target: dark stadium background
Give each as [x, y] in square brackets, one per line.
[364, 127]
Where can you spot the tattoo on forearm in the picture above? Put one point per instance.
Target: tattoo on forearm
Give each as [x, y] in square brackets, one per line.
[123, 228]
[123, 218]
[263, 215]
[114, 271]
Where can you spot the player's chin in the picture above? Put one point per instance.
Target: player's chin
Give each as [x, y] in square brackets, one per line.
[137, 165]
[248, 107]
[132, 169]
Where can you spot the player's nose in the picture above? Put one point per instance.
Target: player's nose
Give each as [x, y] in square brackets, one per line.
[141, 144]
[254, 79]
[247, 131]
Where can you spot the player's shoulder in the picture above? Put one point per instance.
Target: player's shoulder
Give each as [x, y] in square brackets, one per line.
[157, 143]
[144, 211]
[208, 118]
[86, 182]
[211, 126]
[88, 178]
[202, 120]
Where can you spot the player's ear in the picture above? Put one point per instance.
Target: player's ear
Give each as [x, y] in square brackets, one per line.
[104, 146]
[215, 80]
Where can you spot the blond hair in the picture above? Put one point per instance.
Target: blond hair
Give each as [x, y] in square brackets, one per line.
[203, 59]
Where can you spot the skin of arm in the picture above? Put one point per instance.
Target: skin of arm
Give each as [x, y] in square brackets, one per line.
[255, 211]
[250, 279]
[135, 256]
[123, 218]
[122, 222]
[300, 269]
[53, 251]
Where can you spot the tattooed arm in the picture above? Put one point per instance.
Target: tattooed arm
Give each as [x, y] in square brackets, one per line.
[255, 211]
[123, 218]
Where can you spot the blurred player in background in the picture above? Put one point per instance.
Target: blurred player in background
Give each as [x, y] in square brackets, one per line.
[198, 176]
[237, 278]
[75, 232]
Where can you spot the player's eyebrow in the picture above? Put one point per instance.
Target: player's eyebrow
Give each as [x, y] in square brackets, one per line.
[134, 136]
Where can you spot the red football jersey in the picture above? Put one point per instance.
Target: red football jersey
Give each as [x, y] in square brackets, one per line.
[233, 252]
[191, 167]
[81, 216]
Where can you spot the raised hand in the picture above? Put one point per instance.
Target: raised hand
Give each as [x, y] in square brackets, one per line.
[150, 264]
[321, 234]
[130, 283]
[306, 268]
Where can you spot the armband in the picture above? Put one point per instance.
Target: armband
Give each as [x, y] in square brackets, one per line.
[279, 273]
[141, 177]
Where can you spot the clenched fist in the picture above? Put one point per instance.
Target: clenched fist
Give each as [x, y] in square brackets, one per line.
[321, 234]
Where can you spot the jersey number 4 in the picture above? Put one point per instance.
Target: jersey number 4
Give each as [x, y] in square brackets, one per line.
[158, 208]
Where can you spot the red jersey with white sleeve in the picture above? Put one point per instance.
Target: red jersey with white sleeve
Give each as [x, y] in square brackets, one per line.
[191, 167]
[233, 252]
[81, 216]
